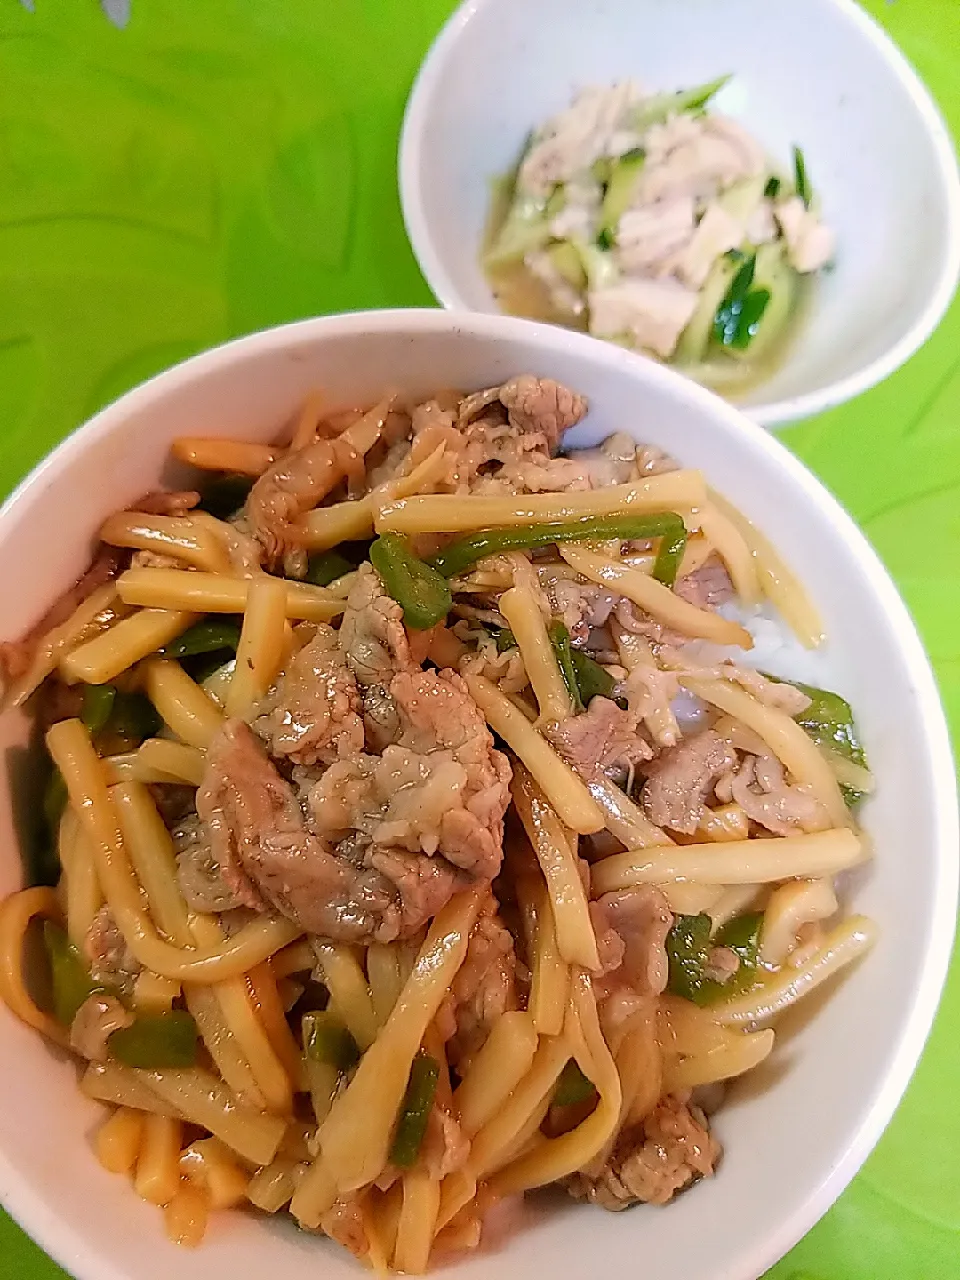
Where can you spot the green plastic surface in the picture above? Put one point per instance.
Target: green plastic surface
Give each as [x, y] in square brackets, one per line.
[221, 165]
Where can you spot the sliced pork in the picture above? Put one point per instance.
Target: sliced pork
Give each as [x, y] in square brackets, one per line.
[679, 779]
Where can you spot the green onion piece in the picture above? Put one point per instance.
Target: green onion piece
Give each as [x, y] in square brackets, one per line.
[739, 314]
[98, 700]
[326, 1039]
[592, 680]
[70, 978]
[669, 527]
[505, 640]
[225, 495]
[772, 189]
[560, 640]
[418, 588]
[572, 1087]
[209, 636]
[417, 1101]
[605, 238]
[157, 1040]
[688, 947]
[804, 190]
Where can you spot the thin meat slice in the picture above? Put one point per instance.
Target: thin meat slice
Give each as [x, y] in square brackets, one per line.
[372, 634]
[198, 871]
[160, 503]
[16, 656]
[95, 1022]
[265, 853]
[312, 715]
[439, 789]
[295, 483]
[761, 790]
[484, 988]
[604, 737]
[631, 926]
[680, 778]
[542, 405]
[110, 959]
[708, 586]
[671, 1149]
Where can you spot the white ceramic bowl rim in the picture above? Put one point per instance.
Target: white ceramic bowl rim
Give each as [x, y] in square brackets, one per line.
[776, 412]
[75, 1251]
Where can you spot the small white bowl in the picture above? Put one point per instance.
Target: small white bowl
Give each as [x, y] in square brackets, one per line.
[819, 73]
[790, 1146]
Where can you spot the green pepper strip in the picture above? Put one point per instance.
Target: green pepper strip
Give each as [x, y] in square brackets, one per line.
[326, 567]
[326, 1039]
[505, 640]
[592, 679]
[560, 639]
[420, 591]
[209, 636]
[98, 700]
[70, 979]
[689, 944]
[417, 1101]
[225, 494]
[829, 722]
[667, 526]
[157, 1040]
[572, 1087]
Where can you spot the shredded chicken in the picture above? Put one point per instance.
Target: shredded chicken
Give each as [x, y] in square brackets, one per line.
[654, 313]
[110, 959]
[810, 244]
[679, 779]
[95, 1021]
[312, 714]
[672, 1148]
[604, 737]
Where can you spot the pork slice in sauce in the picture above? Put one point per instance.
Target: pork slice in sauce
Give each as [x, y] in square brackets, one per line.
[312, 714]
[650, 1164]
[680, 778]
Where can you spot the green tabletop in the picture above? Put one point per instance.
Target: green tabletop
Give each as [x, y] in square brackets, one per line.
[222, 165]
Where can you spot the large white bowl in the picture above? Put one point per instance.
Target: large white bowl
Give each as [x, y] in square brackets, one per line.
[819, 73]
[790, 1148]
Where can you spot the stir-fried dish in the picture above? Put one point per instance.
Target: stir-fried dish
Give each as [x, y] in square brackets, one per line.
[654, 223]
[420, 834]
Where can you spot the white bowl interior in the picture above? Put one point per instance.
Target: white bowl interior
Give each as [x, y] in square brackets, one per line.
[819, 74]
[789, 1149]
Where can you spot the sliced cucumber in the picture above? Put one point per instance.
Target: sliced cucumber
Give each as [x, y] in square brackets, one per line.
[695, 339]
[619, 192]
[569, 264]
[663, 105]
